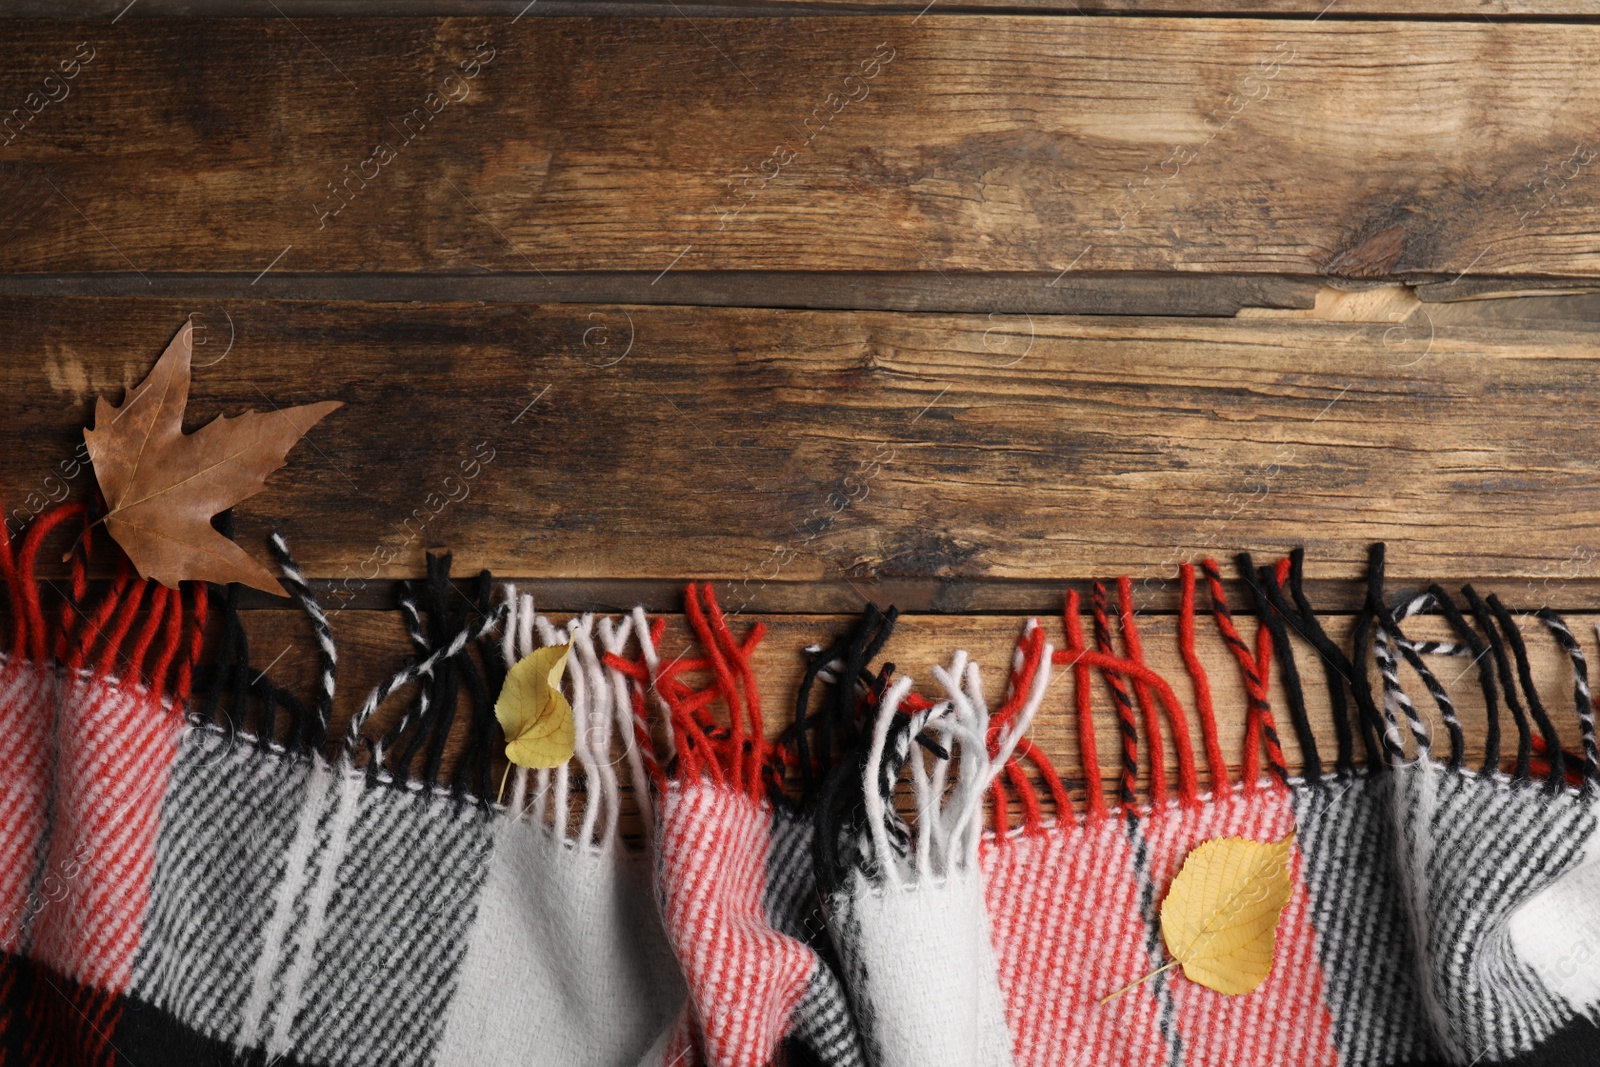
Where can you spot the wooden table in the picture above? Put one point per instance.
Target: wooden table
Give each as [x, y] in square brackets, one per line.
[837, 302]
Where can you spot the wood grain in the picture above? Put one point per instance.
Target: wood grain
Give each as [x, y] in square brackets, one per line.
[320, 9]
[978, 143]
[372, 644]
[775, 449]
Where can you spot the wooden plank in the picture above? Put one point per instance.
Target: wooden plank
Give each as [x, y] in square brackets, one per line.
[1474, 289]
[372, 644]
[773, 449]
[314, 9]
[974, 143]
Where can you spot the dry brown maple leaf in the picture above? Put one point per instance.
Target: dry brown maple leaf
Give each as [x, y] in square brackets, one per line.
[162, 486]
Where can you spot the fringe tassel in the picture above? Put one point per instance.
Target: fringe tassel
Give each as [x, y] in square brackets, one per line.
[1486, 622]
[600, 696]
[891, 737]
[845, 837]
[949, 820]
[445, 666]
[813, 738]
[591, 708]
[1479, 651]
[1128, 729]
[236, 685]
[642, 754]
[1487, 645]
[1556, 777]
[1395, 699]
[516, 642]
[1366, 708]
[1031, 656]
[1188, 781]
[1118, 667]
[1215, 764]
[1582, 698]
[1413, 652]
[425, 727]
[1283, 608]
[614, 639]
[149, 636]
[737, 754]
[1336, 666]
[109, 638]
[485, 689]
[1073, 654]
[30, 638]
[1257, 671]
[327, 655]
[1265, 587]
[1150, 689]
[1134, 651]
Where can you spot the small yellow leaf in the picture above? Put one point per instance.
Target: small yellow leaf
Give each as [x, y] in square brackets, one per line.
[535, 716]
[1220, 918]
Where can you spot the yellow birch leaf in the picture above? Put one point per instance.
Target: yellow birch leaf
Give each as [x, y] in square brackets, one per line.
[1220, 918]
[533, 713]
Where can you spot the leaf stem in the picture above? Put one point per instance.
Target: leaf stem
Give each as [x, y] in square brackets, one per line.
[503, 776]
[1159, 970]
[76, 541]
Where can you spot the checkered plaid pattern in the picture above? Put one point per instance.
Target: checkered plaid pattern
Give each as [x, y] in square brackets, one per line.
[733, 873]
[1374, 998]
[181, 891]
[334, 897]
[1422, 925]
[1073, 913]
[1474, 851]
[745, 978]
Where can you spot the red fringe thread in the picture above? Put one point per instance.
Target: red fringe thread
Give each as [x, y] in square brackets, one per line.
[160, 653]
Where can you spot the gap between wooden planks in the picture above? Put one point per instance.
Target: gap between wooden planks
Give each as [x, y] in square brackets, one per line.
[373, 643]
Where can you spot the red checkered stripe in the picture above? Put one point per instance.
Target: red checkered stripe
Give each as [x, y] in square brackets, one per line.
[118, 727]
[1066, 926]
[1074, 903]
[24, 794]
[1286, 1020]
[744, 978]
[1064, 902]
[24, 798]
[118, 744]
[713, 839]
[26, 699]
[110, 678]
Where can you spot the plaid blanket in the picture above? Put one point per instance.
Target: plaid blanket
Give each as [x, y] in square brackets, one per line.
[1438, 914]
[212, 874]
